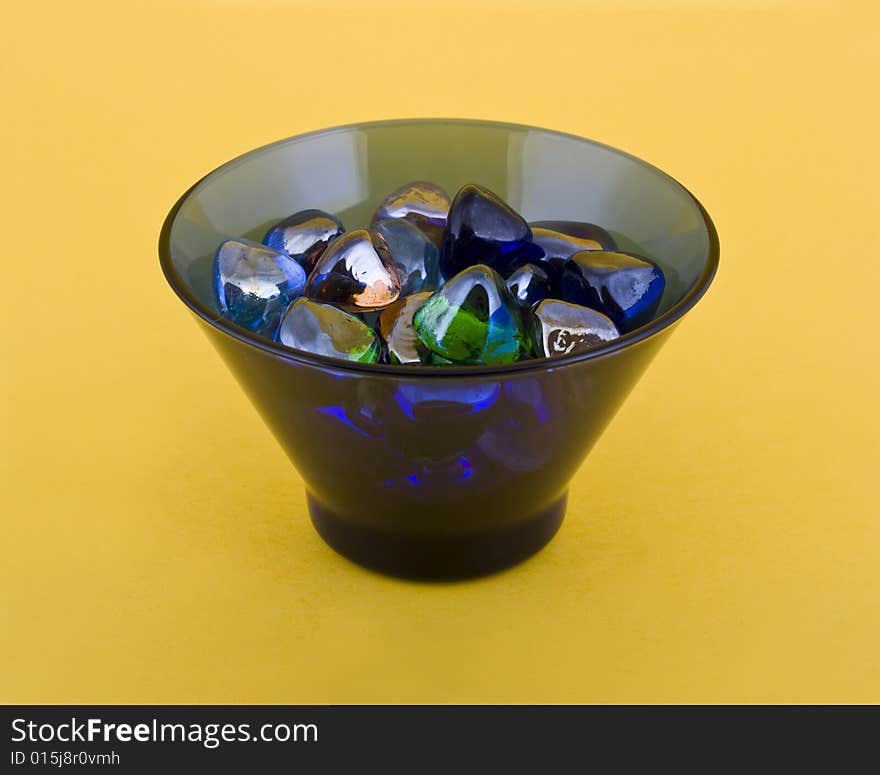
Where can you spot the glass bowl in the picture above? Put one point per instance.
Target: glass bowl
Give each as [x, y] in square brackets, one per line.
[438, 471]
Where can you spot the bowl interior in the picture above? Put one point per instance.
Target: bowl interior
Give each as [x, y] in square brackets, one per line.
[349, 170]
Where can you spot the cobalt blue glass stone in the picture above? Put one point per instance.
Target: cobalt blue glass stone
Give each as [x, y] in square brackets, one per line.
[560, 240]
[304, 235]
[415, 257]
[624, 287]
[529, 284]
[483, 229]
[253, 284]
[570, 237]
[438, 471]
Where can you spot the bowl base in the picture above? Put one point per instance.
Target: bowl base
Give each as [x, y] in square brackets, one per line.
[437, 558]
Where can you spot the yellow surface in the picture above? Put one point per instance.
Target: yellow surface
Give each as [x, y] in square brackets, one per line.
[156, 546]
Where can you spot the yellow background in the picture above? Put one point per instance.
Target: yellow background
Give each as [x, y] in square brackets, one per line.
[155, 542]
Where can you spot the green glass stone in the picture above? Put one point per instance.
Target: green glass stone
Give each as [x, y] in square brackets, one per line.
[473, 319]
[561, 328]
[396, 327]
[326, 330]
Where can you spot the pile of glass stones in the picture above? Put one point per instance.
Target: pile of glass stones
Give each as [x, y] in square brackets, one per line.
[436, 281]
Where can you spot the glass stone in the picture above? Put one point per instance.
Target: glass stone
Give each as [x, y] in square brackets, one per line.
[625, 287]
[560, 328]
[253, 284]
[574, 233]
[473, 319]
[323, 329]
[304, 235]
[483, 229]
[355, 273]
[415, 257]
[529, 284]
[396, 327]
[560, 240]
[421, 203]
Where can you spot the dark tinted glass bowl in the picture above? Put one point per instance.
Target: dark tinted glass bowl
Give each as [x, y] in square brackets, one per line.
[438, 472]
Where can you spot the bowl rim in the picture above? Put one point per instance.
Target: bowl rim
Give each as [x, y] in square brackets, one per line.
[657, 325]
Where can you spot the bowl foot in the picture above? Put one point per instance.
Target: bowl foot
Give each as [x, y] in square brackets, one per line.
[439, 558]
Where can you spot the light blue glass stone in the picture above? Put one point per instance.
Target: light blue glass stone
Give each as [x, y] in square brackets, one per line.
[254, 284]
[415, 257]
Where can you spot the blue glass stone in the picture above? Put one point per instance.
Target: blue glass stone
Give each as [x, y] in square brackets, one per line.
[560, 240]
[473, 319]
[415, 257]
[304, 235]
[254, 284]
[578, 234]
[421, 203]
[355, 273]
[483, 229]
[529, 284]
[325, 330]
[560, 328]
[625, 287]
